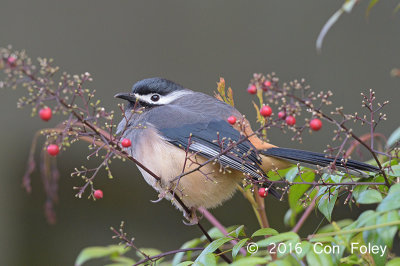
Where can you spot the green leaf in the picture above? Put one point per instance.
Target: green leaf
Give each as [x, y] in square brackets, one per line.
[289, 218]
[249, 261]
[373, 238]
[265, 232]
[364, 218]
[297, 191]
[319, 258]
[278, 238]
[291, 174]
[304, 247]
[387, 233]
[358, 190]
[238, 246]
[208, 259]
[392, 200]
[90, 253]
[237, 232]
[330, 228]
[121, 260]
[189, 244]
[184, 263]
[326, 204]
[394, 189]
[280, 263]
[393, 262]
[213, 246]
[369, 196]
[336, 178]
[395, 136]
[395, 171]
[323, 239]
[148, 251]
[277, 175]
[216, 233]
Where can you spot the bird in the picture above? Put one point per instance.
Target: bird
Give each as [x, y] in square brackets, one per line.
[174, 130]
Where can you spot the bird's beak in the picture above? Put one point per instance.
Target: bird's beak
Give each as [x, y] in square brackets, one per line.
[126, 96]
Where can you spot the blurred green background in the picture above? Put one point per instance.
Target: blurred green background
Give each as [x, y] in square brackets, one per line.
[193, 43]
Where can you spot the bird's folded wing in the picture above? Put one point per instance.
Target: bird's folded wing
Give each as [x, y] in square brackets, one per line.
[209, 139]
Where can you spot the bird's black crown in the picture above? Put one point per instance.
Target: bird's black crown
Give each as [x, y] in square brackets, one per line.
[155, 85]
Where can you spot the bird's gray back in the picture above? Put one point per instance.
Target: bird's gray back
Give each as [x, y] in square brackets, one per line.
[191, 108]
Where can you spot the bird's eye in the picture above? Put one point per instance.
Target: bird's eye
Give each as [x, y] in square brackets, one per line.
[155, 97]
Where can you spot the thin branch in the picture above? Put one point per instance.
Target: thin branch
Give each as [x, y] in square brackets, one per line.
[305, 215]
[261, 210]
[211, 218]
[159, 256]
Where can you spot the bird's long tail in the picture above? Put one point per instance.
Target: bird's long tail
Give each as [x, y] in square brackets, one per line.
[313, 159]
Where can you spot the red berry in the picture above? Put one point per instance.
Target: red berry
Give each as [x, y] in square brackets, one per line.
[290, 120]
[252, 89]
[11, 60]
[45, 114]
[282, 115]
[53, 149]
[232, 120]
[126, 143]
[262, 192]
[315, 124]
[98, 194]
[266, 111]
[267, 84]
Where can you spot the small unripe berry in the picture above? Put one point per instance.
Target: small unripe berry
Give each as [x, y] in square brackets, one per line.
[266, 111]
[126, 143]
[232, 120]
[290, 120]
[282, 115]
[315, 124]
[45, 114]
[98, 194]
[53, 149]
[252, 89]
[262, 192]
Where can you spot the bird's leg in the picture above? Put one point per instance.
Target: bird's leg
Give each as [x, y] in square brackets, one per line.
[192, 217]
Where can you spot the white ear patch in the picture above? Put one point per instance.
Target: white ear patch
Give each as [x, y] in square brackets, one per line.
[164, 99]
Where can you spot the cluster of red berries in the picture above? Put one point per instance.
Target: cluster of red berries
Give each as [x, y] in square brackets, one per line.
[266, 111]
[252, 89]
[53, 149]
[45, 114]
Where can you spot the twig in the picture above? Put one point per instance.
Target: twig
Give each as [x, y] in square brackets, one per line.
[305, 215]
[352, 231]
[210, 240]
[211, 218]
[341, 125]
[159, 256]
[261, 210]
